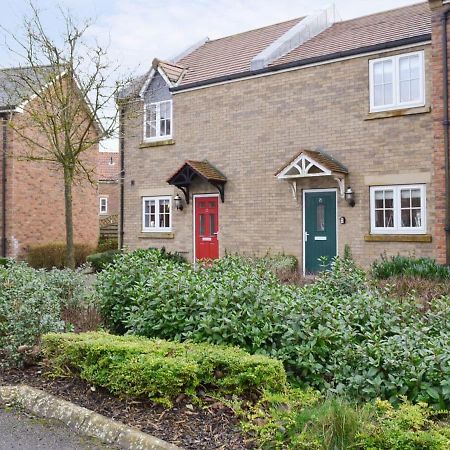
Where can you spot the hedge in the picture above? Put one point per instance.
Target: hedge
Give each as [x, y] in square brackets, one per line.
[53, 255]
[161, 370]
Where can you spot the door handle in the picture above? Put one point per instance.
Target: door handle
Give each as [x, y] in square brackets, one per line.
[305, 236]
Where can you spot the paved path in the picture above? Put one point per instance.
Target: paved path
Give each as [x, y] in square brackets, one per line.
[19, 431]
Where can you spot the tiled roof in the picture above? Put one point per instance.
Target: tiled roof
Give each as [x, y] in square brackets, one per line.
[108, 167]
[233, 54]
[201, 168]
[230, 54]
[15, 83]
[321, 157]
[396, 24]
[172, 71]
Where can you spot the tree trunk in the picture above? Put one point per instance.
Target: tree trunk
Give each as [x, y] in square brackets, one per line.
[70, 252]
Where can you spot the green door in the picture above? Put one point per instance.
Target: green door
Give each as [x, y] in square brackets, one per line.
[320, 229]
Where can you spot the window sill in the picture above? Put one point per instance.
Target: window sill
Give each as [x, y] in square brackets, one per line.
[397, 237]
[398, 112]
[157, 143]
[156, 235]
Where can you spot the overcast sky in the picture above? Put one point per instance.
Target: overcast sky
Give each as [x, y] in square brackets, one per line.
[139, 30]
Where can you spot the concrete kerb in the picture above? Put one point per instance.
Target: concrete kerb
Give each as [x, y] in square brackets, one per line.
[80, 419]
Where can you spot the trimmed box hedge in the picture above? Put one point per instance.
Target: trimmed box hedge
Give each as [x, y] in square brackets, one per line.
[137, 367]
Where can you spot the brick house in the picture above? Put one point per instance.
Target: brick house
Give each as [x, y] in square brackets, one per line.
[31, 192]
[301, 137]
[108, 193]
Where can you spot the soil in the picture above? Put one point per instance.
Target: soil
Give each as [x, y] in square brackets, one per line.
[213, 426]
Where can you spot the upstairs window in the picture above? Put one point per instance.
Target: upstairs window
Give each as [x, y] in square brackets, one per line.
[398, 209]
[158, 121]
[397, 82]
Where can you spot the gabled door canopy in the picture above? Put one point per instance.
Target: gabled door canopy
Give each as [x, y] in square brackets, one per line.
[186, 174]
[312, 163]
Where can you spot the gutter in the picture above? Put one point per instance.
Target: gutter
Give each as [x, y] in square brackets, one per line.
[446, 123]
[305, 62]
[4, 154]
[122, 174]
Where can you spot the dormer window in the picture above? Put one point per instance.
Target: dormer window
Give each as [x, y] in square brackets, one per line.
[158, 121]
[397, 82]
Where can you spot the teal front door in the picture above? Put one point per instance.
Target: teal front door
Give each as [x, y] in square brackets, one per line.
[319, 229]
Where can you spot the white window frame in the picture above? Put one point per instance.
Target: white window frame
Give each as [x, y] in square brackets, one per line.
[105, 209]
[158, 136]
[397, 229]
[396, 83]
[156, 228]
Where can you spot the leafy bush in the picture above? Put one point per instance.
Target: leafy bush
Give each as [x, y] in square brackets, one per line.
[338, 334]
[412, 267]
[107, 244]
[49, 256]
[4, 261]
[160, 370]
[31, 302]
[303, 420]
[99, 261]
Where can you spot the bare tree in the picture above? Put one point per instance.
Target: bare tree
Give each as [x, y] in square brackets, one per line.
[66, 88]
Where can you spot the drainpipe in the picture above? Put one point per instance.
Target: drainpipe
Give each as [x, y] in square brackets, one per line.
[4, 154]
[122, 174]
[446, 123]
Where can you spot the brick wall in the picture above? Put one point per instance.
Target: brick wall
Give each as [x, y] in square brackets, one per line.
[110, 190]
[35, 203]
[250, 128]
[438, 129]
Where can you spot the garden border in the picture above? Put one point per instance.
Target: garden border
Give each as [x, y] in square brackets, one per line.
[82, 420]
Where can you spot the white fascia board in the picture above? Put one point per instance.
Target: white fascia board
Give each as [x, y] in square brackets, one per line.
[148, 80]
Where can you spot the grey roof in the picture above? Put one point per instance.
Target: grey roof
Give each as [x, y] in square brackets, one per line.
[17, 83]
[133, 88]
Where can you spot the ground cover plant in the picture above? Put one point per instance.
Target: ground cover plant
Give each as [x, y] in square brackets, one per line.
[32, 302]
[396, 266]
[338, 335]
[160, 370]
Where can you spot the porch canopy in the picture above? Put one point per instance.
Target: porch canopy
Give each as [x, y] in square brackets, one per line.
[191, 170]
[312, 163]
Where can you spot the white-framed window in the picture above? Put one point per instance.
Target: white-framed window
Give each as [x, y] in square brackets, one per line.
[157, 213]
[397, 82]
[399, 209]
[158, 120]
[103, 205]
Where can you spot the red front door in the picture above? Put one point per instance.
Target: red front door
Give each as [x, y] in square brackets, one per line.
[206, 227]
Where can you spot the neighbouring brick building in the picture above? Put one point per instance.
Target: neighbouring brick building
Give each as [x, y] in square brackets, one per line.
[300, 137]
[108, 193]
[32, 192]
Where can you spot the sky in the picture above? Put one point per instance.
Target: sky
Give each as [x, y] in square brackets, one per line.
[136, 31]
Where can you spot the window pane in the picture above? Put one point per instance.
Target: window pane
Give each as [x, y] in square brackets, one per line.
[320, 213]
[415, 198]
[379, 199]
[404, 69]
[389, 218]
[406, 217]
[378, 73]
[414, 67]
[405, 198]
[416, 218]
[388, 199]
[388, 94]
[202, 224]
[387, 72]
[405, 95]
[415, 90]
[378, 95]
[379, 218]
[212, 224]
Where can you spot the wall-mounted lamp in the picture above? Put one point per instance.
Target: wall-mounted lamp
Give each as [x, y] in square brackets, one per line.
[350, 196]
[178, 202]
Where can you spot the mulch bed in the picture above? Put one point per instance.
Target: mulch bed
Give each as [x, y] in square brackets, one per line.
[186, 425]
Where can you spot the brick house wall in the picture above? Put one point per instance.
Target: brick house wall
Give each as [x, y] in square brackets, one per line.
[35, 201]
[438, 156]
[249, 128]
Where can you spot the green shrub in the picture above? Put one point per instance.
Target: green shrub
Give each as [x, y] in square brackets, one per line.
[4, 261]
[161, 370]
[50, 256]
[31, 302]
[99, 261]
[107, 244]
[338, 334]
[412, 267]
[303, 420]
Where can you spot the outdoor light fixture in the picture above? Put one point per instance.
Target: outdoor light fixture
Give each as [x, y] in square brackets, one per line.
[178, 202]
[350, 196]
